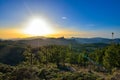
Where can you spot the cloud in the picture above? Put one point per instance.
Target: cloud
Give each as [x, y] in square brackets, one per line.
[64, 17]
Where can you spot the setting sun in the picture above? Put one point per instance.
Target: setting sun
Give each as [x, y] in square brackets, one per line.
[38, 26]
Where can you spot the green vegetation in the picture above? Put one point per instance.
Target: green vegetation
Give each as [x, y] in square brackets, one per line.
[59, 62]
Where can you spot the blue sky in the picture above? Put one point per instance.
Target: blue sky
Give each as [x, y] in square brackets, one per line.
[95, 16]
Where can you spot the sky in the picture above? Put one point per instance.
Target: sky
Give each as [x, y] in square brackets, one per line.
[72, 18]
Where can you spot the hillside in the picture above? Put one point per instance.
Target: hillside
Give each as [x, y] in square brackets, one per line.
[59, 62]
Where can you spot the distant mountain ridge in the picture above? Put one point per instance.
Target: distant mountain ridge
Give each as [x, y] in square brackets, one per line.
[47, 41]
[43, 41]
[97, 40]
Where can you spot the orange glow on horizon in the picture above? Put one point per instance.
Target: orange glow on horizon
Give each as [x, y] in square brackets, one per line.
[11, 33]
[16, 33]
[50, 30]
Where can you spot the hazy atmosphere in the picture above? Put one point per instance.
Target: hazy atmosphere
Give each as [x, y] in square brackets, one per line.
[56, 18]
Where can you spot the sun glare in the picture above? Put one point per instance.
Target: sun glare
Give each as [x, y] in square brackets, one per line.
[38, 27]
